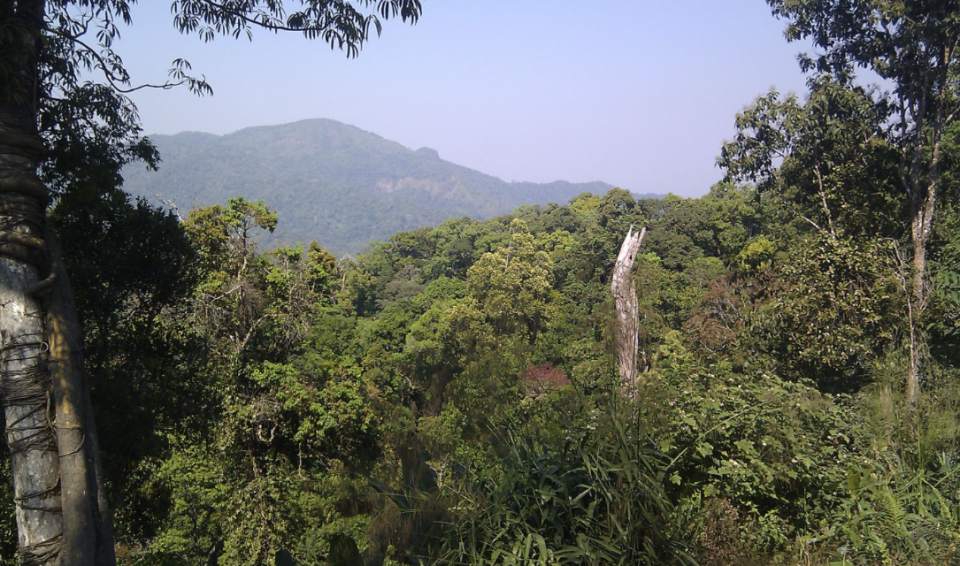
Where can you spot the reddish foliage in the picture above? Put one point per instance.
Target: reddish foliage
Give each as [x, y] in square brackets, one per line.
[543, 379]
[718, 319]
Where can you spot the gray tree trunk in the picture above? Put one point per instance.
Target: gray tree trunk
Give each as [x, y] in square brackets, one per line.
[628, 312]
[60, 508]
[25, 383]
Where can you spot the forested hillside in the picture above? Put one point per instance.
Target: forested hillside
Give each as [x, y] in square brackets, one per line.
[453, 395]
[331, 182]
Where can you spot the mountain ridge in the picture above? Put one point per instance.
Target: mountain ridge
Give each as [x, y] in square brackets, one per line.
[333, 182]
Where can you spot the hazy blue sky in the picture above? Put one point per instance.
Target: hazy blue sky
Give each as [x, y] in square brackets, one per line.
[636, 93]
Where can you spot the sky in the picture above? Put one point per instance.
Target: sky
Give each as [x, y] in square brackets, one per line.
[637, 93]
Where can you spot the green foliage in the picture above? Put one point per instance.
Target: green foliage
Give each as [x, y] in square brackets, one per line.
[770, 448]
[943, 321]
[466, 372]
[841, 306]
[413, 368]
[512, 286]
[362, 187]
[880, 522]
[341, 26]
[827, 160]
[596, 499]
[450, 395]
[899, 503]
[460, 370]
[133, 268]
[757, 255]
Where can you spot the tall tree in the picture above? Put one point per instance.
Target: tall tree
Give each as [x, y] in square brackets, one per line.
[46, 106]
[913, 45]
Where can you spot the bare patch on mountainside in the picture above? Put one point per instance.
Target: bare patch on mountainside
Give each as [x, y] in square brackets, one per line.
[442, 187]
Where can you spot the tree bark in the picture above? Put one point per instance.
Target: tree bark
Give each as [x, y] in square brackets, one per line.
[923, 197]
[25, 384]
[87, 522]
[916, 306]
[628, 312]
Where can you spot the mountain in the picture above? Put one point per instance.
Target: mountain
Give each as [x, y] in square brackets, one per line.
[332, 182]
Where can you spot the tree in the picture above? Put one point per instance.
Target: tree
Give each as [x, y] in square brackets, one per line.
[45, 105]
[511, 286]
[912, 44]
[824, 161]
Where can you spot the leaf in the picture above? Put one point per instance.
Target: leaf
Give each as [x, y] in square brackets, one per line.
[704, 448]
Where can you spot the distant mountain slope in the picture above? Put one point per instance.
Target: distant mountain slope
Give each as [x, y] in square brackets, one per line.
[334, 183]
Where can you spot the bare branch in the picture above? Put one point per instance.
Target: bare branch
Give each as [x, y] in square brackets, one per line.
[823, 200]
[113, 80]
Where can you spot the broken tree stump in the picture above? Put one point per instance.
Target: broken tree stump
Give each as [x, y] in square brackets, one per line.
[628, 315]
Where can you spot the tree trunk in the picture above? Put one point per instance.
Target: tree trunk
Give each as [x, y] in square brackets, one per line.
[628, 312]
[25, 384]
[916, 308]
[61, 513]
[921, 227]
[25, 381]
[87, 522]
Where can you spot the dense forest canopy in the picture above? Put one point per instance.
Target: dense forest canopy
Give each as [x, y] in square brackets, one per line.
[451, 395]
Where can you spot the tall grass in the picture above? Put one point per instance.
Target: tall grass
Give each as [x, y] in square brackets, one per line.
[598, 499]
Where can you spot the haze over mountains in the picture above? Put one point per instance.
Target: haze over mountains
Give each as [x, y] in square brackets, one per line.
[332, 182]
